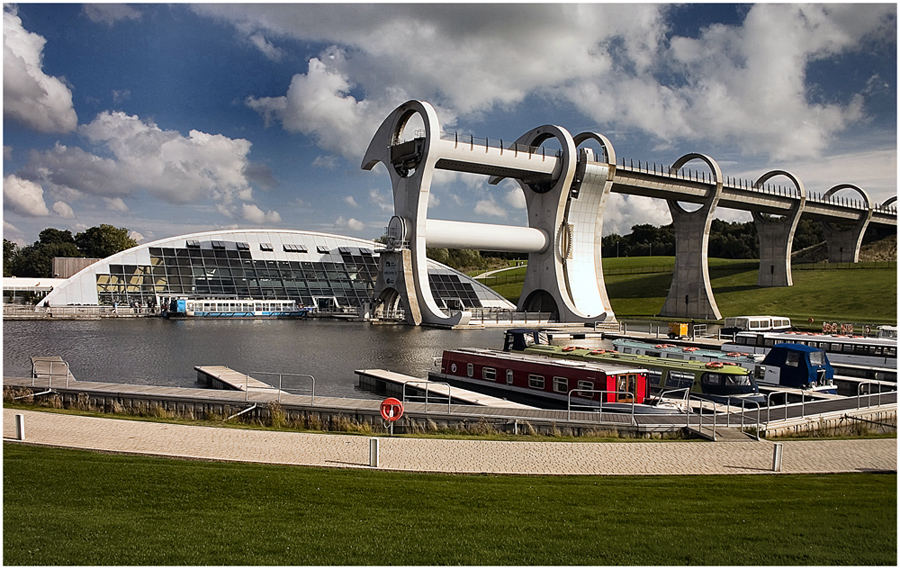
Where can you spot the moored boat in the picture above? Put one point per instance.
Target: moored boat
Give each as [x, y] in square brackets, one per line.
[841, 348]
[535, 379]
[235, 308]
[785, 365]
[714, 379]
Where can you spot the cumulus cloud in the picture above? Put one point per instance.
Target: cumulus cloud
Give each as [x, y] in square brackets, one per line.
[328, 162]
[351, 201]
[109, 14]
[620, 65]
[319, 104]
[253, 214]
[24, 197]
[63, 210]
[115, 204]
[30, 96]
[624, 211]
[350, 223]
[381, 201]
[515, 198]
[266, 47]
[140, 156]
[490, 207]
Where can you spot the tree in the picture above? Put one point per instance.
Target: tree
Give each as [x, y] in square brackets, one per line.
[52, 235]
[104, 240]
[37, 260]
[10, 252]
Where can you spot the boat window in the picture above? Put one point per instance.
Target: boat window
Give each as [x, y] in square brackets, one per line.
[711, 379]
[626, 350]
[535, 381]
[890, 352]
[792, 359]
[560, 384]
[769, 342]
[489, 373]
[655, 377]
[509, 376]
[654, 354]
[679, 380]
[470, 369]
[733, 379]
[836, 348]
[585, 384]
[816, 359]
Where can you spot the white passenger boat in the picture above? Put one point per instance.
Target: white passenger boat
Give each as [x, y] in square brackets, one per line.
[235, 308]
[734, 324]
[841, 348]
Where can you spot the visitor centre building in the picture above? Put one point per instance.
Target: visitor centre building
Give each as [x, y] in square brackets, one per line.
[328, 272]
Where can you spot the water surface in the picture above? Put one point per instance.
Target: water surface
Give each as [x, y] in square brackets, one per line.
[151, 351]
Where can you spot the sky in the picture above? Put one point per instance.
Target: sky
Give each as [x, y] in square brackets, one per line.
[174, 118]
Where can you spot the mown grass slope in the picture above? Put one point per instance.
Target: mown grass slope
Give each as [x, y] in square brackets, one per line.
[68, 507]
[637, 287]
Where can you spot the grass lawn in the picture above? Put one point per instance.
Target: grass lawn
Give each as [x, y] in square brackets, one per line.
[76, 507]
[637, 287]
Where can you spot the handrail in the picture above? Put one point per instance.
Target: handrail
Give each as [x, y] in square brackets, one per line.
[312, 397]
[600, 408]
[428, 383]
[869, 394]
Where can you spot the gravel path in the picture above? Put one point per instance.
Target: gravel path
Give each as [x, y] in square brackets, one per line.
[453, 456]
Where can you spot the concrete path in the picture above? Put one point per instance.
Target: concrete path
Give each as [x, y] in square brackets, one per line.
[454, 456]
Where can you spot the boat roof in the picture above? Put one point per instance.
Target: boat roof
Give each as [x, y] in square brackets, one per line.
[798, 347]
[644, 360]
[818, 337]
[605, 367]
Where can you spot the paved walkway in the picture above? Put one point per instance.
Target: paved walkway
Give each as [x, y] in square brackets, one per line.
[455, 456]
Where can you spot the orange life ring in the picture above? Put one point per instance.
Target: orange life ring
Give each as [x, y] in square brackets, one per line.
[715, 365]
[568, 348]
[597, 352]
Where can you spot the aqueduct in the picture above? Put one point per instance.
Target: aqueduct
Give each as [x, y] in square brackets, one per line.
[566, 191]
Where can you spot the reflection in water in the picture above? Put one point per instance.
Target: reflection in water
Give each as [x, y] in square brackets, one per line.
[164, 352]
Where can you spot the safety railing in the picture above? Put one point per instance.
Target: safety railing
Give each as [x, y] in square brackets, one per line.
[473, 142]
[281, 387]
[509, 316]
[690, 411]
[427, 383]
[599, 408]
[732, 401]
[869, 394]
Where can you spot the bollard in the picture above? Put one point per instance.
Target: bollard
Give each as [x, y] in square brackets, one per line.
[373, 453]
[20, 427]
[776, 458]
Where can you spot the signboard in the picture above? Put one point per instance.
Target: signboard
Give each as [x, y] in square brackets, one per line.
[391, 409]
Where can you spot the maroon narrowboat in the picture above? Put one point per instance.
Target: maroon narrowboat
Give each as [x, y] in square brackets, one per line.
[541, 378]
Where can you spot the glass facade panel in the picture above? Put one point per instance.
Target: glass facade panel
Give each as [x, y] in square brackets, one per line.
[228, 271]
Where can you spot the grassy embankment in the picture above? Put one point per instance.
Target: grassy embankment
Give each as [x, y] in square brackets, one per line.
[637, 288]
[64, 507]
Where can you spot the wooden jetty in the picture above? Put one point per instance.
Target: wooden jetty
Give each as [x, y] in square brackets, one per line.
[222, 377]
[393, 383]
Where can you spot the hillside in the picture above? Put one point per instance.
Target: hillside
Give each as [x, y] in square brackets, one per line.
[851, 293]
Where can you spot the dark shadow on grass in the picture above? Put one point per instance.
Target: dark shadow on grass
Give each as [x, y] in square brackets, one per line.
[747, 468]
[717, 289]
[345, 462]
